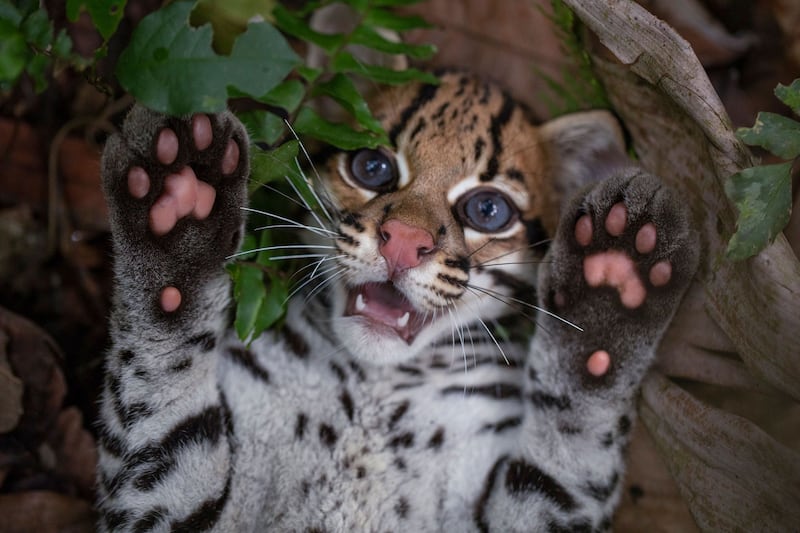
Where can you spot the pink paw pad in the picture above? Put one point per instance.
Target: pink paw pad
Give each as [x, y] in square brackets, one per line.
[170, 299]
[183, 193]
[616, 269]
[598, 363]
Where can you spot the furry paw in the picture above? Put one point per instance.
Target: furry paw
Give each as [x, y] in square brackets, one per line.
[621, 261]
[175, 189]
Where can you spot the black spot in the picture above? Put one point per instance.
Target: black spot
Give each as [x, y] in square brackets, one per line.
[111, 443]
[479, 513]
[542, 400]
[533, 375]
[607, 439]
[347, 239]
[141, 373]
[421, 123]
[568, 429]
[426, 94]
[440, 112]
[405, 440]
[437, 439]
[115, 519]
[461, 263]
[398, 413]
[149, 520]
[327, 435]
[624, 424]
[183, 364]
[515, 174]
[502, 425]
[247, 360]
[341, 375]
[126, 356]
[524, 478]
[410, 370]
[300, 426]
[480, 144]
[205, 341]
[206, 514]
[295, 342]
[580, 526]
[402, 507]
[351, 219]
[441, 231]
[400, 463]
[601, 492]
[497, 124]
[636, 492]
[498, 391]
[347, 403]
[355, 367]
[361, 472]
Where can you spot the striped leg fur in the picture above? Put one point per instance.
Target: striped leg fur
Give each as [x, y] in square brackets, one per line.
[174, 188]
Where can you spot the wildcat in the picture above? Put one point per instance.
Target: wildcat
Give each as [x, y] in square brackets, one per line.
[386, 402]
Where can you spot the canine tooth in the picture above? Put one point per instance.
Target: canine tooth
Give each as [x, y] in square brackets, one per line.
[360, 305]
[403, 320]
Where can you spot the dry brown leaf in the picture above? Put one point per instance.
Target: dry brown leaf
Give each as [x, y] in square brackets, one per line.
[45, 512]
[10, 390]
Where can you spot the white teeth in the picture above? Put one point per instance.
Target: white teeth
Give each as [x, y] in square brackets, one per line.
[403, 320]
[360, 304]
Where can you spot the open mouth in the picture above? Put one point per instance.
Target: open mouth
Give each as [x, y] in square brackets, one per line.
[384, 305]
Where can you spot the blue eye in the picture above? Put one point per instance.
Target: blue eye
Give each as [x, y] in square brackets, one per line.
[373, 170]
[486, 210]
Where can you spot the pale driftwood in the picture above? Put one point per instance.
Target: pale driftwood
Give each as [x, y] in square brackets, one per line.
[733, 475]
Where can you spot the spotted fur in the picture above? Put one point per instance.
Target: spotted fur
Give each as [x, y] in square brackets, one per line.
[333, 424]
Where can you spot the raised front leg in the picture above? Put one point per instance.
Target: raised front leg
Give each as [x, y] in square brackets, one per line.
[175, 188]
[621, 260]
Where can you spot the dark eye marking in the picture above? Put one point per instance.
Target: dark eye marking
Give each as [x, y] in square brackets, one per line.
[486, 210]
[374, 170]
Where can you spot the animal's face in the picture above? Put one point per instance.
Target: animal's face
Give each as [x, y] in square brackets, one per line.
[440, 232]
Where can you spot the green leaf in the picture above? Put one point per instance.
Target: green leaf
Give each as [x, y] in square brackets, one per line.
[38, 29]
[105, 14]
[14, 52]
[230, 18]
[272, 165]
[37, 70]
[263, 126]
[382, 18]
[250, 292]
[790, 95]
[9, 13]
[170, 66]
[341, 89]
[366, 36]
[776, 133]
[763, 196]
[287, 95]
[339, 135]
[345, 62]
[62, 46]
[297, 27]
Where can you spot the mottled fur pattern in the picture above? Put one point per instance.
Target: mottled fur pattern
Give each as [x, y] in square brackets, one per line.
[334, 424]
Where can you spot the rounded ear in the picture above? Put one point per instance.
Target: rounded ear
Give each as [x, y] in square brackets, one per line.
[583, 148]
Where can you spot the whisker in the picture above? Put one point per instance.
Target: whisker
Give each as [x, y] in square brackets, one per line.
[316, 173]
[294, 223]
[282, 247]
[515, 250]
[499, 296]
[303, 256]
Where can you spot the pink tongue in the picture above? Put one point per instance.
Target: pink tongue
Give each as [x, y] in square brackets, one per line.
[384, 303]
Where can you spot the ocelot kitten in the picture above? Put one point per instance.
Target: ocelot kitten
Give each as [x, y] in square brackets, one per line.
[385, 403]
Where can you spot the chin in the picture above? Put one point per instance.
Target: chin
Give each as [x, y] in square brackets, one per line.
[375, 343]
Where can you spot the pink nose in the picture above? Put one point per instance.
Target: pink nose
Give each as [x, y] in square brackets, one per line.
[403, 246]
